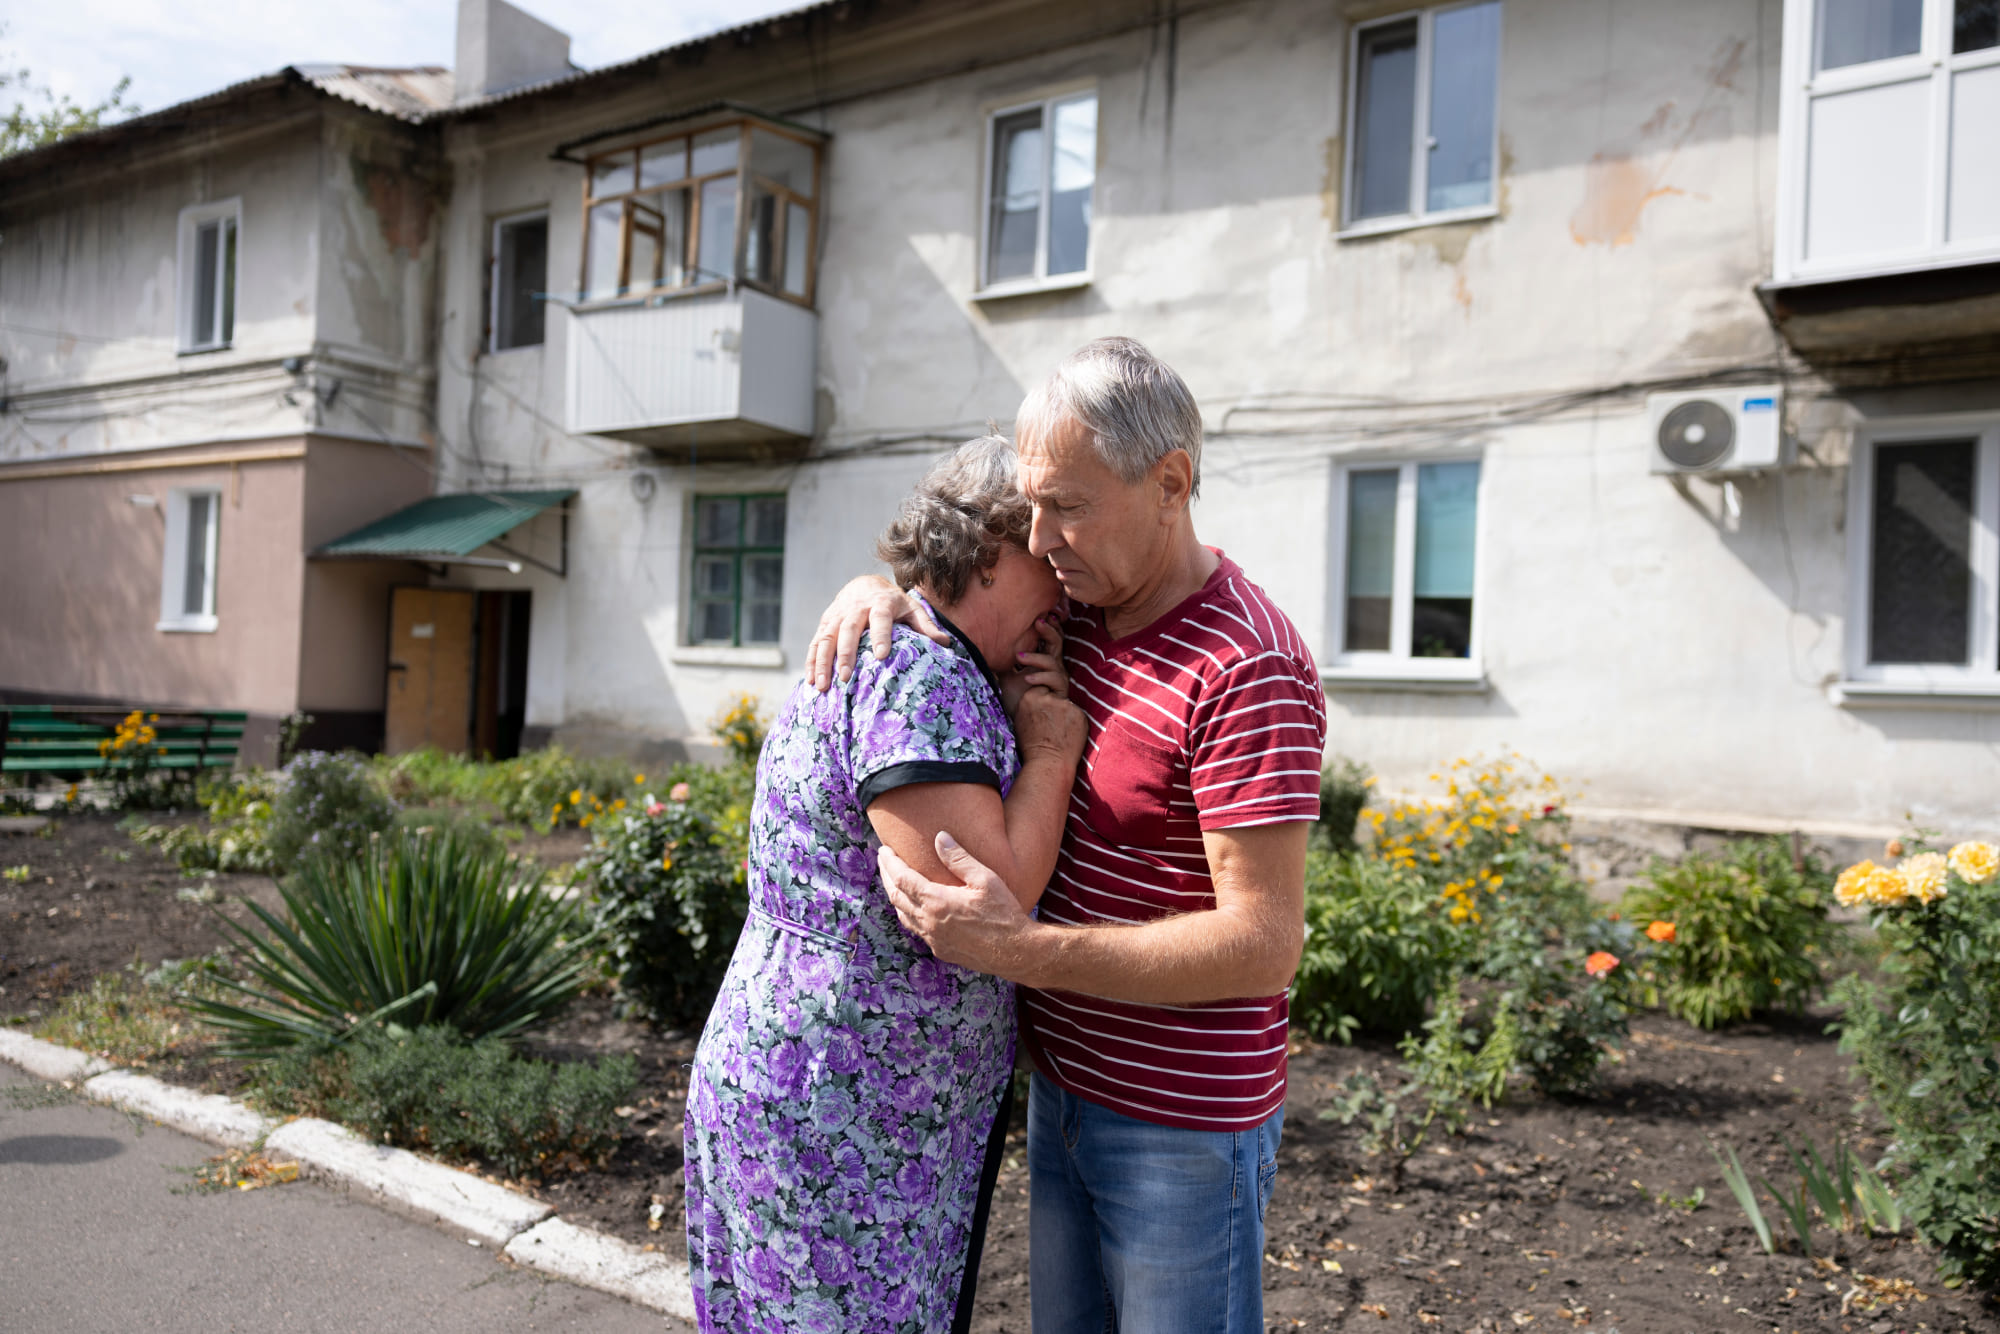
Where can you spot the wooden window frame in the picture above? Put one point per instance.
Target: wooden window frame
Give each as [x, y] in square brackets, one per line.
[1981, 669]
[1399, 662]
[1040, 280]
[696, 551]
[192, 219]
[1420, 130]
[695, 282]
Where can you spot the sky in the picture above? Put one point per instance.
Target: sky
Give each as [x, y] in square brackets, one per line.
[174, 51]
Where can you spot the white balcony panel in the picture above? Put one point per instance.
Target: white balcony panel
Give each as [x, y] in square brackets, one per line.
[1867, 176]
[697, 372]
[1974, 212]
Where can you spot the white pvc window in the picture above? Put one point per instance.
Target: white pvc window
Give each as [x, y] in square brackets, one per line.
[187, 576]
[1406, 567]
[1924, 543]
[1423, 117]
[208, 268]
[1041, 181]
[1887, 132]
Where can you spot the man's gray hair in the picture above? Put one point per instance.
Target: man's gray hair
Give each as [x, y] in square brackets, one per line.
[962, 513]
[1133, 405]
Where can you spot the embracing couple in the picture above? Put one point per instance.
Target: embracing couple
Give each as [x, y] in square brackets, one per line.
[1067, 769]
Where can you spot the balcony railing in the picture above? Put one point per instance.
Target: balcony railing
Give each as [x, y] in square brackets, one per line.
[720, 373]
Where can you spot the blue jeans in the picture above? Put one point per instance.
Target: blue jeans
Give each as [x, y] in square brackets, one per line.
[1144, 1228]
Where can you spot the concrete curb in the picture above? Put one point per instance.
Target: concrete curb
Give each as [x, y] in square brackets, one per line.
[406, 1183]
[58, 1064]
[519, 1228]
[208, 1116]
[594, 1260]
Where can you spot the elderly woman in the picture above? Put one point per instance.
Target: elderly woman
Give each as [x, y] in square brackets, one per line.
[846, 1097]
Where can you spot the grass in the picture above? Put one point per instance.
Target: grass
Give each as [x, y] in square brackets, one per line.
[124, 1018]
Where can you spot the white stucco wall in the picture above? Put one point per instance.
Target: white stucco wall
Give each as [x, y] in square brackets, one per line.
[1637, 640]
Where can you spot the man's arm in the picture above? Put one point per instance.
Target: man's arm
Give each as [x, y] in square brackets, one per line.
[869, 603]
[1247, 945]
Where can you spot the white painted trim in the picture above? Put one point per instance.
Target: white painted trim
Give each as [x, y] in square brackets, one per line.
[1040, 281]
[1472, 682]
[768, 656]
[1866, 681]
[1420, 134]
[1894, 695]
[192, 218]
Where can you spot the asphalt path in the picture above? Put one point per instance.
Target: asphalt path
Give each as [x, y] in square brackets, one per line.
[100, 1231]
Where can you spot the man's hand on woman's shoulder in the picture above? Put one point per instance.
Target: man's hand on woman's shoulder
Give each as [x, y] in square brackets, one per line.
[869, 603]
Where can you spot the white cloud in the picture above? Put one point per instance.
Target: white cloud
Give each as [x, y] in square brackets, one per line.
[175, 51]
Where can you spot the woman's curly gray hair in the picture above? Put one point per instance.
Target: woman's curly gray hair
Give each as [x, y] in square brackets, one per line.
[962, 513]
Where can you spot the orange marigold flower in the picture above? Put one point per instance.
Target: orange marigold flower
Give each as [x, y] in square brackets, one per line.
[1600, 963]
[1663, 932]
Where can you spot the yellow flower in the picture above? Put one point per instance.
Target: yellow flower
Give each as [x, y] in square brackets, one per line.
[618, 805]
[1850, 886]
[667, 862]
[584, 823]
[1924, 876]
[576, 797]
[1976, 863]
[638, 779]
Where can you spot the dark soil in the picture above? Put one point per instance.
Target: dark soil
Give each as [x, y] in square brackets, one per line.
[95, 901]
[1546, 1214]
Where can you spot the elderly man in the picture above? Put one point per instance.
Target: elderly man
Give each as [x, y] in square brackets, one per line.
[1153, 979]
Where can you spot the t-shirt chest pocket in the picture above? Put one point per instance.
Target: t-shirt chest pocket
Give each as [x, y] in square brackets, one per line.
[1133, 775]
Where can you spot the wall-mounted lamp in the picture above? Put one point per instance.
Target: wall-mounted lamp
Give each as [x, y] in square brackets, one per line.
[144, 502]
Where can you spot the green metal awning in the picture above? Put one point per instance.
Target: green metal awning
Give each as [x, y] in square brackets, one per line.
[446, 530]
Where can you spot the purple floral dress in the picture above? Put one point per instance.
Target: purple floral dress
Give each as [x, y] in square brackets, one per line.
[847, 1081]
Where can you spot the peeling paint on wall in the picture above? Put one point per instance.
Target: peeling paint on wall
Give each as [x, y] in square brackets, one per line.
[405, 203]
[1616, 191]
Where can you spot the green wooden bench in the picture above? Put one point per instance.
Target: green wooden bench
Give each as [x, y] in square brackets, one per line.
[76, 739]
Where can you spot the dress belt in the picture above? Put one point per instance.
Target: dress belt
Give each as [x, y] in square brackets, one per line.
[778, 923]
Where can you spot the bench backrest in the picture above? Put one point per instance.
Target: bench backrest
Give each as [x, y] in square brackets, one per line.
[79, 738]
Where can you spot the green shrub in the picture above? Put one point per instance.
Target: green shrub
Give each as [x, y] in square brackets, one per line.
[1742, 931]
[1554, 1002]
[1926, 1039]
[1378, 945]
[430, 1090]
[475, 832]
[668, 900]
[328, 807]
[1343, 791]
[422, 929]
[236, 836]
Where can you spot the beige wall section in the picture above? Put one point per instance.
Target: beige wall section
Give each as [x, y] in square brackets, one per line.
[79, 616]
[346, 603]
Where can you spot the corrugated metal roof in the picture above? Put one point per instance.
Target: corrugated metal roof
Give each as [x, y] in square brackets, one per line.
[445, 525]
[584, 75]
[406, 93]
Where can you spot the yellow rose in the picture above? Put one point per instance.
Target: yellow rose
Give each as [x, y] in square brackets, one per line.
[1924, 876]
[1848, 888]
[1975, 863]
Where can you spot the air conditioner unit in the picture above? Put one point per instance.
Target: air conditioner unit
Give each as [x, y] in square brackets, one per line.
[1717, 430]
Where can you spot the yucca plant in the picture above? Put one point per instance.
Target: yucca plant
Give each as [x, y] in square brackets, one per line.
[425, 928]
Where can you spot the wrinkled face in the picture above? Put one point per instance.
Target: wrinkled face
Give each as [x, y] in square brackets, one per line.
[1001, 618]
[1103, 536]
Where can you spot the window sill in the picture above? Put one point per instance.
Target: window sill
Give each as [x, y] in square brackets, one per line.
[725, 655]
[1385, 226]
[1467, 679]
[203, 351]
[189, 625]
[1067, 282]
[1917, 695]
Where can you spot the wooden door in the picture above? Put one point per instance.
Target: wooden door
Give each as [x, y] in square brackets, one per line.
[430, 670]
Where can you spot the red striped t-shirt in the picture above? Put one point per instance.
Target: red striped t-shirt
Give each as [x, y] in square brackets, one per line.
[1212, 717]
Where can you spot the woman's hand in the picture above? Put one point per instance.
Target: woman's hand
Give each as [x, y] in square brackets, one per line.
[1043, 667]
[1047, 723]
